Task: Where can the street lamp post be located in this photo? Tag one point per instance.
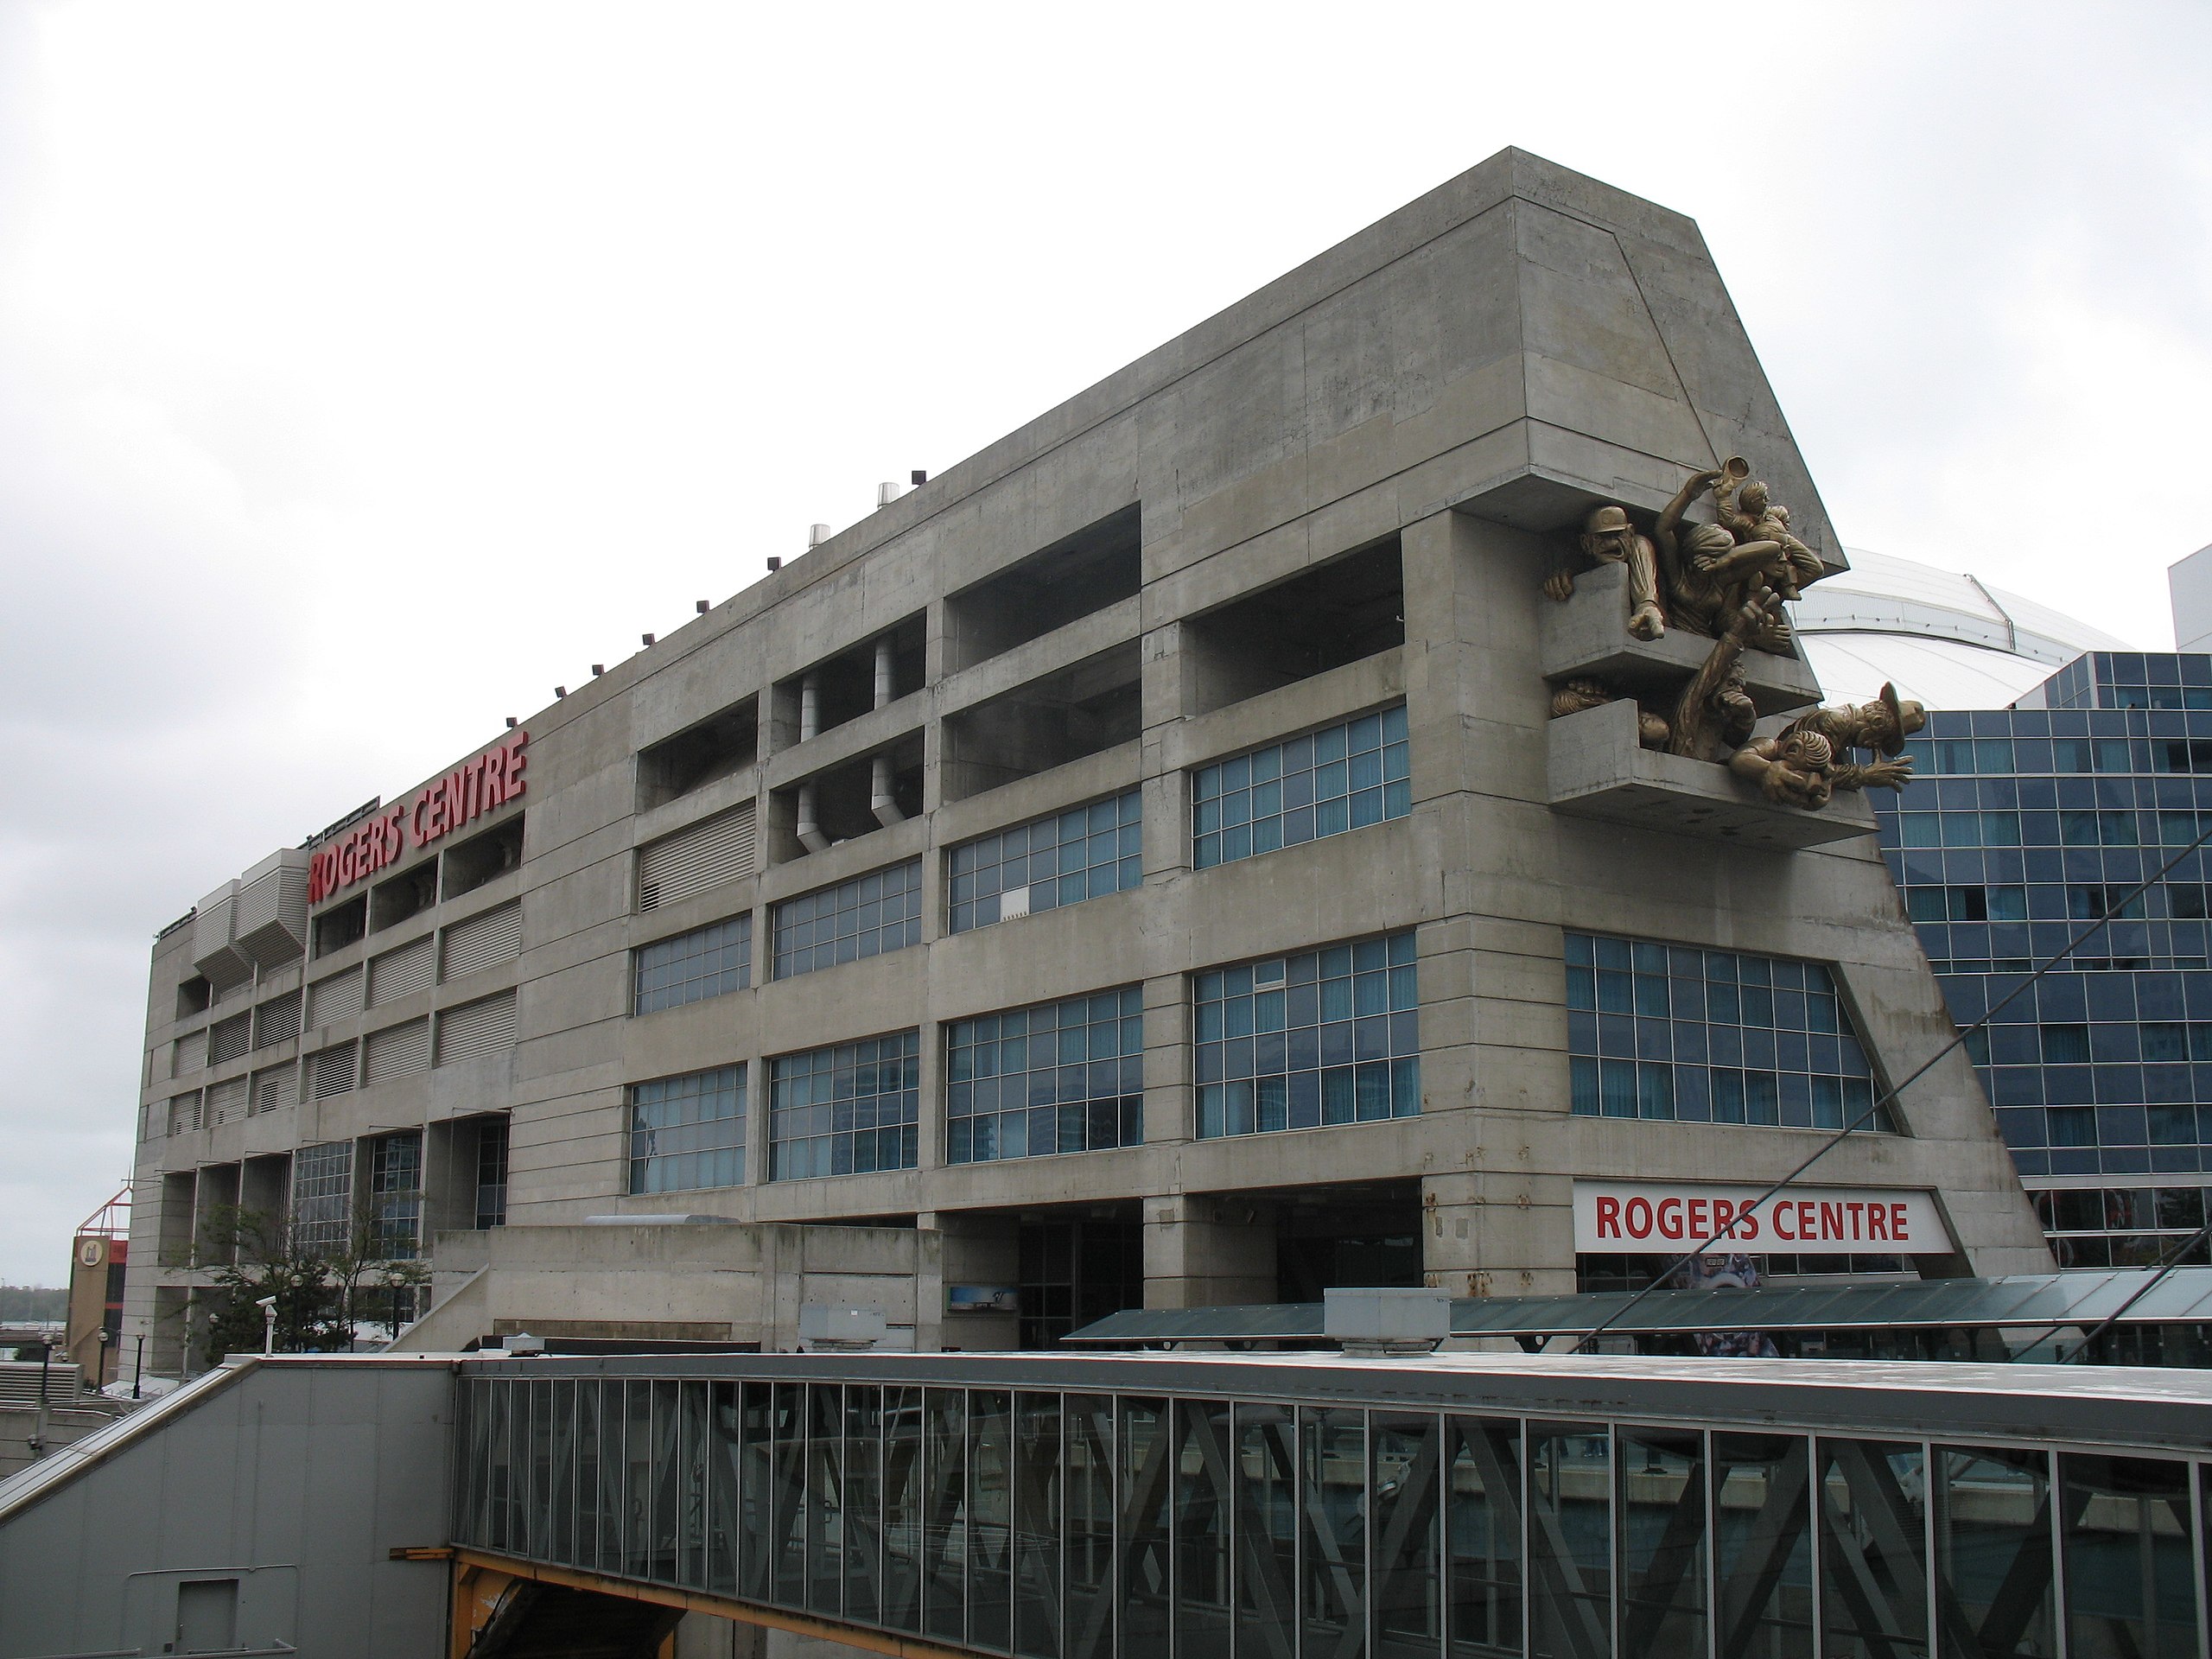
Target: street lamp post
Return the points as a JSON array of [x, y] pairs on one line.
[[268, 1307], [138, 1373]]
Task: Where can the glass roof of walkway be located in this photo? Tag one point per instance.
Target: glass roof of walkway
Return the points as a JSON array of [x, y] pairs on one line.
[[2046, 1300]]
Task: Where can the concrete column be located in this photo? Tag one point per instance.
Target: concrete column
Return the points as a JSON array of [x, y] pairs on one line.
[[973, 1249], [1203, 1251], [1484, 1231]]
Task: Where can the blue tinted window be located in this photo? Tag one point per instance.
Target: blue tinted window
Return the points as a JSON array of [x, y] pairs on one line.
[[847, 1110], [706, 962], [1060, 1076], [1338, 778], [1328, 1036], [1083, 854], [687, 1132], [1712, 1036], [865, 916]]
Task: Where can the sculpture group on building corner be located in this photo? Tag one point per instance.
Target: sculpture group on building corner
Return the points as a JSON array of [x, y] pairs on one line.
[[1727, 579]]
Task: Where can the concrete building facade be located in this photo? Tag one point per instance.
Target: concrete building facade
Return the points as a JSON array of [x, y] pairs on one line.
[[1137, 857]]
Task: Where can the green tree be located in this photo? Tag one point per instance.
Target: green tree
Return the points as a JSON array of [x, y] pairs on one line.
[[325, 1292]]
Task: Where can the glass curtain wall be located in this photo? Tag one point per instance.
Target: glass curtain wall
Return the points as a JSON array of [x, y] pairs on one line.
[[1044, 1525]]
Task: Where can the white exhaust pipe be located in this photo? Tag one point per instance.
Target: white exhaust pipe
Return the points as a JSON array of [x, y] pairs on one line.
[[810, 830], [880, 799], [884, 678], [810, 707]]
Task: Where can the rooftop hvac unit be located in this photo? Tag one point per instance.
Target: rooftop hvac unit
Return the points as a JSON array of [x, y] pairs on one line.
[[214, 936], [270, 926], [816, 535]]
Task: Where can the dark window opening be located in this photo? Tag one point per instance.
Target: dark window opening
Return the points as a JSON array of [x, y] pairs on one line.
[[847, 686], [845, 800], [1351, 607], [194, 996], [1366, 1241], [392, 902], [716, 747], [1075, 1272], [1080, 710], [1099, 565], [2191, 756], [481, 858], [341, 925], [2187, 900], [2065, 1045], [492, 1173]]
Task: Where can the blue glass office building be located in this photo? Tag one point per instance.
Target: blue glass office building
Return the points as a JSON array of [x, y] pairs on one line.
[[2021, 827]]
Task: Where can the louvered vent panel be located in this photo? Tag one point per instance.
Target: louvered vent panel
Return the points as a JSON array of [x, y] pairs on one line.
[[398, 1050], [189, 1054], [336, 998], [399, 973], [228, 1039], [270, 923], [705, 855], [184, 1114], [484, 941], [276, 1020], [227, 1102], [330, 1070], [273, 1089], [475, 1028]]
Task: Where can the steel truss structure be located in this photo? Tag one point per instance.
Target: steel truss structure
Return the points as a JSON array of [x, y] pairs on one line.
[[1213, 1507]]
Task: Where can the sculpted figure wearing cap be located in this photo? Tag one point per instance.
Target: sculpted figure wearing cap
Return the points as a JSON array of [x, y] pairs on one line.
[[1608, 538], [1882, 725]]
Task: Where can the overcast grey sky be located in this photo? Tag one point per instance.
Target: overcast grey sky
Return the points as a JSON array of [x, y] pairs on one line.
[[367, 370]]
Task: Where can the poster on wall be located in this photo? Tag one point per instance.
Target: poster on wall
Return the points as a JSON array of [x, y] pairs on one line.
[[981, 1298]]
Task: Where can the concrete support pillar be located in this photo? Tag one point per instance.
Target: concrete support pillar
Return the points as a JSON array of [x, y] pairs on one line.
[[974, 1251], [1484, 1231], [1203, 1251]]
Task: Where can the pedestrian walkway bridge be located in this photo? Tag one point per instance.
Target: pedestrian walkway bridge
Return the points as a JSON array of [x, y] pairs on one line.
[[1220, 1506]]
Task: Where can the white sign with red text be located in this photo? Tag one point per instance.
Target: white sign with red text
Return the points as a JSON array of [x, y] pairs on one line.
[[1612, 1216]]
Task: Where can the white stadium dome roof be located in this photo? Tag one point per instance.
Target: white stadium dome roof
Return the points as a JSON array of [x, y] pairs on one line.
[[1948, 641]]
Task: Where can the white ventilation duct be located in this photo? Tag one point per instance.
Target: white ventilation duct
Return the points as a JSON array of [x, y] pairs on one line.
[[816, 535], [809, 826], [884, 682], [880, 799], [810, 707], [886, 493]]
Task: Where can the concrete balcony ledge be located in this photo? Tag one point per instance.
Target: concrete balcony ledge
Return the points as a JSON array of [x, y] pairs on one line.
[[1586, 638], [1597, 770]]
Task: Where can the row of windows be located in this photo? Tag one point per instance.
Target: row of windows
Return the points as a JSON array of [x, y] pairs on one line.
[[2016, 757], [1325, 783], [2105, 827], [1327, 1036], [2080, 901], [2035, 1128]]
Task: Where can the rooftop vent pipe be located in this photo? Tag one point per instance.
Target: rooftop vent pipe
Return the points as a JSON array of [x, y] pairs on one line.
[[879, 800], [816, 535], [886, 493], [810, 829]]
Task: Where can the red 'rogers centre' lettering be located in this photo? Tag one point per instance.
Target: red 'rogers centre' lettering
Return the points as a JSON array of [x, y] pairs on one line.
[[463, 795], [1630, 1214]]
